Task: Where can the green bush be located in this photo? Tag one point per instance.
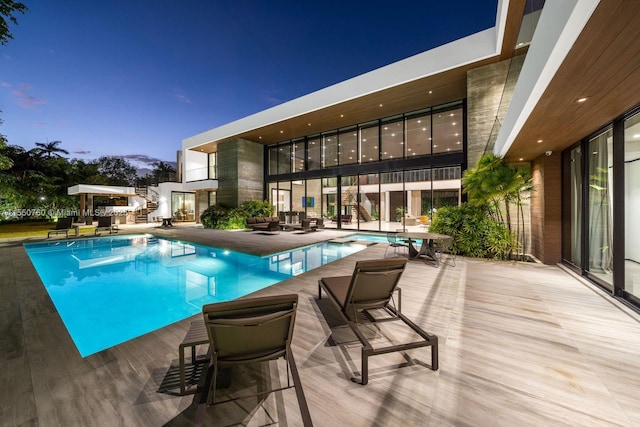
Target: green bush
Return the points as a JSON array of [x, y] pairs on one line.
[[214, 217], [474, 233], [221, 218], [255, 208]]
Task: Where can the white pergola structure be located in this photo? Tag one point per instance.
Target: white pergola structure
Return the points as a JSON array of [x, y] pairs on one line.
[[87, 191]]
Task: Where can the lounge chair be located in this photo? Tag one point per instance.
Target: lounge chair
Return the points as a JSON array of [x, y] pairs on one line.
[[104, 224], [64, 225], [372, 286], [247, 331]]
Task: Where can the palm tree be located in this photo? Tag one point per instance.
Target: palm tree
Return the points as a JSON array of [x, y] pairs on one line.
[[498, 184], [51, 149]]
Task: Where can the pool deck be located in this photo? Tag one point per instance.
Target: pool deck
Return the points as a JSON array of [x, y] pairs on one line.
[[520, 344]]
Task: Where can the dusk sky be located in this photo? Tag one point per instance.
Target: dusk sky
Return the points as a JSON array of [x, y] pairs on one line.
[[135, 78]]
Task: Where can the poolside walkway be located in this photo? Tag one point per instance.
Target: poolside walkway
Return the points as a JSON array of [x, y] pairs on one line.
[[520, 344]]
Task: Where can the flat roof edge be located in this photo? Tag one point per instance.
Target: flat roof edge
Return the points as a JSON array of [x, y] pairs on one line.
[[562, 23]]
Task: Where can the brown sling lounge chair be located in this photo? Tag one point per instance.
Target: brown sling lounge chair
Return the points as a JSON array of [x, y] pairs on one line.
[[247, 331], [64, 225], [104, 224], [371, 286]]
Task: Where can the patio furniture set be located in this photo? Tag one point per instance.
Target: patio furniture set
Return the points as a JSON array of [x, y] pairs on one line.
[[260, 329]]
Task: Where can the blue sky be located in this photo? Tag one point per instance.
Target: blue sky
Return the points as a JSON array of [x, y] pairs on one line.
[[134, 78]]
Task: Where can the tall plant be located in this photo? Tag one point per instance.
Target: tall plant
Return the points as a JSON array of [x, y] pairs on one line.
[[499, 185]]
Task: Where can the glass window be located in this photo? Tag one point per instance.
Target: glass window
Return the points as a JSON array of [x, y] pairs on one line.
[[330, 199], [601, 207], [213, 165], [369, 140], [312, 203], [392, 137], [447, 131], [284, 159], [348, 146], [369, 202], [297, 156], [314, 155], [632, 204], [183, 206], [349, 201], [418, 135], [329, 150], [572, 211], [273, 160]]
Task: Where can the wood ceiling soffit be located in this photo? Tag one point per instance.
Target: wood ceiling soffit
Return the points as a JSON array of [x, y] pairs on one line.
[[603, 65]]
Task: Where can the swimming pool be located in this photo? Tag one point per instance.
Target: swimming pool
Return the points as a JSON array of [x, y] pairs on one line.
[[108, 290]]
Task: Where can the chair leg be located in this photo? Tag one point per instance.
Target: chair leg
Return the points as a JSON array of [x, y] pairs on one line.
[[214, 380], [302, 401]]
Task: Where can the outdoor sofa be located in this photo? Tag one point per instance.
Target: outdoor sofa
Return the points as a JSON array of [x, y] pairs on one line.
[[268, 223]]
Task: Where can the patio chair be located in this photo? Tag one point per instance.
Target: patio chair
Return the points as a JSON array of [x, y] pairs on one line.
[[64, 225], [370, 287], [104, 224], [442, 247], [247, 331], [395, 243]]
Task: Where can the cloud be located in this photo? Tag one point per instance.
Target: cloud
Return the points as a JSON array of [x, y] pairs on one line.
[[183, 98], [25, 100], [83, 152], [145, 159], [41, 124], [5, 84]]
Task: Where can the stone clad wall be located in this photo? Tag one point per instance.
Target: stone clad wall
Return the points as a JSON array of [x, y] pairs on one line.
[[489, 91], [240, 172]]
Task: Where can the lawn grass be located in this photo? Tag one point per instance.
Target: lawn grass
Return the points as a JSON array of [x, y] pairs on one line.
[[32, 229]]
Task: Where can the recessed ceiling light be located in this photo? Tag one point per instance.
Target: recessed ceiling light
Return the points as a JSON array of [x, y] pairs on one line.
[[582, 99], [539, 141], [521, 159], [341, 115], [381, 105], [281, 131], [430, 92]]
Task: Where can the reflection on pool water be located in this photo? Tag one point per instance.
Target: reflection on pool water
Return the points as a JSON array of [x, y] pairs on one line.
[[108, 290]]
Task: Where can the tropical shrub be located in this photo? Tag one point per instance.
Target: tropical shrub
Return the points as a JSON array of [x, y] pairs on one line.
[[221, 218], [256, 208], [474, 233], [498, 185], [214, 217]]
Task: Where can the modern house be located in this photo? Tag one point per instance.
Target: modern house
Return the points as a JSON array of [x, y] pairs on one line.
[[553, 86]]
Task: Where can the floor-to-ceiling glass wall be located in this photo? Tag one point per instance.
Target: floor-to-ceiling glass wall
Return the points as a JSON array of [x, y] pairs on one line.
[[350, 207], [600, 213], [313, 201], [330, 200], [379, 175], [183, 206], [632, 205], [369, 201], [572, 207]]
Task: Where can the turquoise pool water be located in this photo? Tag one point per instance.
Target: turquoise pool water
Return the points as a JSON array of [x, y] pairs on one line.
[[108, 290]]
